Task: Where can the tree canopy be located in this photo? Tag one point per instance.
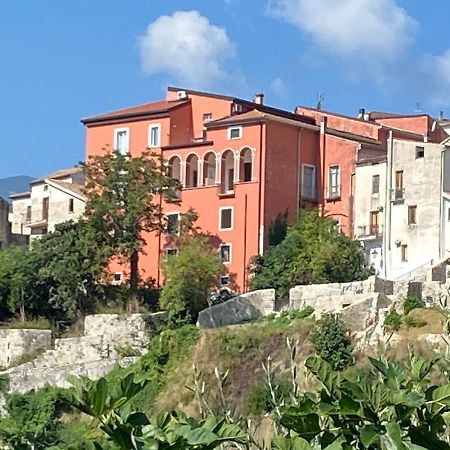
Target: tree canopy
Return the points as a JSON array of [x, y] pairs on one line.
[[313, 251]]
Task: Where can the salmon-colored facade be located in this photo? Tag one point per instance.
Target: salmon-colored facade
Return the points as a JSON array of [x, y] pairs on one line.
[[239, 164]]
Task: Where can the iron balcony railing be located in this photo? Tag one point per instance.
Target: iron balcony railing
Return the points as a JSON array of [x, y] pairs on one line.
[[398, 195]]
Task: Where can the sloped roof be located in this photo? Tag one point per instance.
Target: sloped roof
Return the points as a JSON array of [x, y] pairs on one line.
[[75, 188], [158, 107], [62, 173]]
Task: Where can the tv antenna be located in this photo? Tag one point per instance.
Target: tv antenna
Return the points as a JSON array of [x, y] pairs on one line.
[[418, 108], [320, 97]]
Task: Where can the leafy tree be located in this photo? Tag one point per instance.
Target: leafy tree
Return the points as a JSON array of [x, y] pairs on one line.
[[189, 276], [278, 229], [312, 252], [124, 202], [332, 342], [70, 264]]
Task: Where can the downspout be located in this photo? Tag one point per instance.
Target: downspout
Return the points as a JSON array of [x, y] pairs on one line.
[[387, 234], [262, 181], [245, 244], [441, 210], [158, 276], [298, 166], [323, 127]]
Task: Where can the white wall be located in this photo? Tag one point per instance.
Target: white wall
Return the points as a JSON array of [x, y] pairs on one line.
[[423, 188], [364, 203]]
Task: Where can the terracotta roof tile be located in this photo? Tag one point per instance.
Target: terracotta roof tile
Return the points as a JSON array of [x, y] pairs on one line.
[[160, 106], [62, 173], [75, 188]]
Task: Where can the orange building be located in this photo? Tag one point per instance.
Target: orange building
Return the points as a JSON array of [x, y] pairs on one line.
[[240, 164]]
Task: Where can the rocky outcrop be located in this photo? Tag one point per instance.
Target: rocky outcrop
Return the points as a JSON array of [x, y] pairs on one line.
[[243, 308], [109, 339]]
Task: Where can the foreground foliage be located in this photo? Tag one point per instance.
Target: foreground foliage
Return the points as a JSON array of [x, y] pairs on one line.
[[313, 251]]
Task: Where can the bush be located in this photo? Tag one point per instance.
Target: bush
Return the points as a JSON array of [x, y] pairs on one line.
[[287, 317], [259, 399], [332, 342], [393, 320], [413, 322], [411, 303]]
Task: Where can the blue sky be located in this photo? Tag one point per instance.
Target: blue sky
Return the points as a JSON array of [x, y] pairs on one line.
[[64, 60]]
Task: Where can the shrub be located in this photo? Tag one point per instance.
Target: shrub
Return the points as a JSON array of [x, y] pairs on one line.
[[393, 320], [259, 399], [411, 303], [413, 322], [332, 342]]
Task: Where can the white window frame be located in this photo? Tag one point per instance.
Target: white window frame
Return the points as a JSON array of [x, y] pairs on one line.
[[117, 282], [338, 181], [127, 140], [220, 218], [222, 277], [314, 196], [150, 127], [234, 138], [226, 244], [172, 213], [167, 250]]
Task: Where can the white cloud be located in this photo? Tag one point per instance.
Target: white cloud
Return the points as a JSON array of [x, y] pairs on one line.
[[436, 80], [363, 28], [278, 87], [188, 47]]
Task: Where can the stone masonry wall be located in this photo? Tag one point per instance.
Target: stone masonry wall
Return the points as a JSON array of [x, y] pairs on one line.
[[107, 337], [16, 344]]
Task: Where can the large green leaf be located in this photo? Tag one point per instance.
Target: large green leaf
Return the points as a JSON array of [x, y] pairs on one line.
[[306, 425], [100, 396], [392, 439], [369, 435], [290, 443]]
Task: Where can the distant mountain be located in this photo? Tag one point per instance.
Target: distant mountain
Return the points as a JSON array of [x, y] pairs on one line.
[[14, 185]]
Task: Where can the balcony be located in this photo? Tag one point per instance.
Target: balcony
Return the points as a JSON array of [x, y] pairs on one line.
[[398, 195], [369, 232]]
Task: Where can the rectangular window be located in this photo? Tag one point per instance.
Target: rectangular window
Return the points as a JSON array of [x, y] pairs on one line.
[[420, 152], [226, 218], [234, 133], [373, 223], [375, 184], [207, 117], [28, 218], [399, 179], [224, 280], [448, 214], [172, 223], [247, 171], [118, 277], [404, 250], [225, 253], [333, 182], [121, 140], [309, 181], [412, 210], [45, 208], [154, 135], [71, 205], [171, 252]]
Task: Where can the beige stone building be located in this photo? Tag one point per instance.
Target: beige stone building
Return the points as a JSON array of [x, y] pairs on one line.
[[402, 207], [53, 199]]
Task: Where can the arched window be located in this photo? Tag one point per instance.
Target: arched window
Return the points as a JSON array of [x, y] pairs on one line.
[[192, 171], [227, 175], [175, 168], [245, 167], [209, 169]]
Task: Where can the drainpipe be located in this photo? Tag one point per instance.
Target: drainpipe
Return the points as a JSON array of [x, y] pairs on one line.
[[245, 244], [299, 168], [262, 155], [441, 210], [387, 225], [323, 127]]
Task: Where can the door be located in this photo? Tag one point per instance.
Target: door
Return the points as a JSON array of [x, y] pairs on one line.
[[373, 223]]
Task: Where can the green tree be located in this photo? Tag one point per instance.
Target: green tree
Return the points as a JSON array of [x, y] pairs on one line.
[[332, 342], [189, 276], [312, 252], [69, 264], [124, 201]]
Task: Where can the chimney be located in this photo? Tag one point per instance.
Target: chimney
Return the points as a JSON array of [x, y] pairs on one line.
[[361, 114], [441, 115], [259, 98]]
